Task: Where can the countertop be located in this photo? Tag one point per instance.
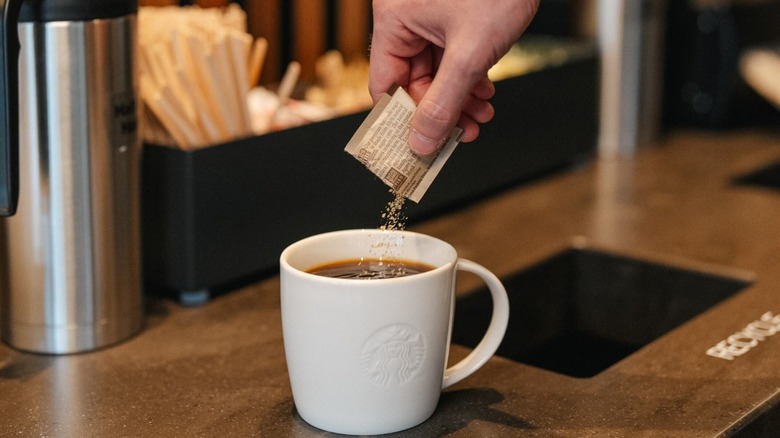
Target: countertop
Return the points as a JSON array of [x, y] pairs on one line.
[[219, 370]]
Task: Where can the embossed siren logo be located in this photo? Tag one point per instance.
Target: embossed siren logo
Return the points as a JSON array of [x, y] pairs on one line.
[[392, 355]]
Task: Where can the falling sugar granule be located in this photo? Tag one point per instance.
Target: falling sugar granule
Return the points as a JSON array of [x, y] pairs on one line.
[[389, 248], [393, 218]]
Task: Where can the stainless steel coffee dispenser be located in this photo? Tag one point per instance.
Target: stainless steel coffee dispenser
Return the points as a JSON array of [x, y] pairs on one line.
[[73, 244]]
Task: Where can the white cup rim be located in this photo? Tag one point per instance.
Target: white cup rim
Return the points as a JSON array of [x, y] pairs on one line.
[[284, 258]]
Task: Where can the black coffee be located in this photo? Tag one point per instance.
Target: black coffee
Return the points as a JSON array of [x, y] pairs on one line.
[[369, 269]]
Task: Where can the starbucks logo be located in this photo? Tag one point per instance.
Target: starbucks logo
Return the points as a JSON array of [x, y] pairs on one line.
[[392, 355]]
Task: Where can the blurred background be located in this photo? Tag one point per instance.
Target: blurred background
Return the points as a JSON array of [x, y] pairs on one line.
[[300, 30], [666, 63]]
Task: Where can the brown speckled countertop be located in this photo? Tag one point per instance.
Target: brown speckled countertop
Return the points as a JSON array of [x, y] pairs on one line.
[[219, 370]]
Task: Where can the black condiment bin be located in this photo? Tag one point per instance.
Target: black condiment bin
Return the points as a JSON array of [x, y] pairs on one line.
[[220, 216]]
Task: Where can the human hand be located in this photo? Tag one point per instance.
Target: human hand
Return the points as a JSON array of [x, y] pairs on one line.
[[440, 51]]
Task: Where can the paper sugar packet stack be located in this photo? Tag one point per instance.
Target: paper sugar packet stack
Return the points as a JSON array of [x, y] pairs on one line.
[[381, 143]]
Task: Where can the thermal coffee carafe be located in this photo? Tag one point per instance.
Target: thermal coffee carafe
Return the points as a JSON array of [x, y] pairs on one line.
[[71, 156]]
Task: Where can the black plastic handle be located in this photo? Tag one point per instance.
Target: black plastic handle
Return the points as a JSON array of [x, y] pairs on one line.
[[44, 11], [9, 105]]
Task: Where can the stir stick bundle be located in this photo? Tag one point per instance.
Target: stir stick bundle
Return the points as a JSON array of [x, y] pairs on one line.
[[197, 66]]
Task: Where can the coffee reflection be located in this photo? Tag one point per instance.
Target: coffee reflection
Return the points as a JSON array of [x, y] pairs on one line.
[[369, 269]]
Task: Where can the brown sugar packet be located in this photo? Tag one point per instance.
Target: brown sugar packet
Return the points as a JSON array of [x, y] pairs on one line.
[[381, 143]]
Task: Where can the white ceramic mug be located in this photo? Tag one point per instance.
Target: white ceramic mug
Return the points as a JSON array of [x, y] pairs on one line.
[[369, 356]]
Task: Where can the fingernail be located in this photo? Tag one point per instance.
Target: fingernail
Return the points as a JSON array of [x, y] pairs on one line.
[[422, 145]]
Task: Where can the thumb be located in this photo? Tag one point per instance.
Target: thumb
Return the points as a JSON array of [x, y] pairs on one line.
[[438, 111]]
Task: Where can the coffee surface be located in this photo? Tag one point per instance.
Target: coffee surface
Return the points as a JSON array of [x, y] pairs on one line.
[[369, 269]]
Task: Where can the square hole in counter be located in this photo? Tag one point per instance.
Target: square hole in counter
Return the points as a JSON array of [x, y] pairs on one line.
[[766, 177], [581, 311]]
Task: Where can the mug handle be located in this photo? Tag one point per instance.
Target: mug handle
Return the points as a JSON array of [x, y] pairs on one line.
[[495, 331]]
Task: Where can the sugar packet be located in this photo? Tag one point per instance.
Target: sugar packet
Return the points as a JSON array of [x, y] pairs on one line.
[[381, 143]]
